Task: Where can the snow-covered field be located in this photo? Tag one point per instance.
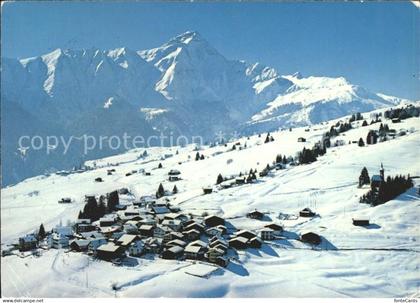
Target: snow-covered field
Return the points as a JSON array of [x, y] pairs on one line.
[[380, 261]]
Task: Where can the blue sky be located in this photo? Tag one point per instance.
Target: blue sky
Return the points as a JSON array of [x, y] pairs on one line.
[[375, 45]]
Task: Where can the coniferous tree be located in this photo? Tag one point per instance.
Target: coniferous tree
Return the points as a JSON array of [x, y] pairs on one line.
[[160, 192], [112, 200], [278, 158], [202, 157], [91, 209], [364, 177], [101, 206], [364, 123], [267, 139], [80, 216], [160, 165], [197, 156], [361, 142], [175, 190], [219, 179], [41, 232]]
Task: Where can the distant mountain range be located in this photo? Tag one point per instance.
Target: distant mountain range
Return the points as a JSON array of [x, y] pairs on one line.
[[184, 87]]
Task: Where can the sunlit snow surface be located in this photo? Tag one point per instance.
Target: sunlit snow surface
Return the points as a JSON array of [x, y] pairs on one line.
[[348, 263]]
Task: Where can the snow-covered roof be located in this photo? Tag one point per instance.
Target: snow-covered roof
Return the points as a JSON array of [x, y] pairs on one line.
[[199, 243], [171, 222], [109, 247], [177, 242], [240, 239], [28, 238], [174, 172], [146, 227], [377, 178], [176, 249], [192, 249], [91, 234], [160, 209], [124, 240]]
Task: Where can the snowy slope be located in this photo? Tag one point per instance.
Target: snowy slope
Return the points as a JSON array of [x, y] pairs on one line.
[[194, 88], [381, 261], [315, 99]]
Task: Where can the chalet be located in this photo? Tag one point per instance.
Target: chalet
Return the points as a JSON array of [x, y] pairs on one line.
[[27, 242], [276, 228], [172, 216], [146, 230], [207, 190], [160, 231], [120, 207], [157, 210], [194, 225], [94, 243], [64, 200], [176, 242], [131, 226], [106, 221], [91, 235], [108, 231], [194, 252], [84, 228], [64, 230], [213, 253], [99, 179], [199, 243], [173, 236], [58, 241], [212, 221], [148, 220], [153, 245], [176, 225], [254, 243], [311, 238], [306, 212], [222, 247], [217, 241], [245, 234], [172, 253], [222, 261], [267, 234], [126, 240], [255, 215], [192, 234], [83, 225], [79, 245], [361, 222], [301, 139], [174, 172], [136, 248], [239, 243], [109, 251], [214, 231], [174, 175], [123, 191]]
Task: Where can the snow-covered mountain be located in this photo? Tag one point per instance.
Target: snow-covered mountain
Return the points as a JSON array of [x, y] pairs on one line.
[[184, 87]]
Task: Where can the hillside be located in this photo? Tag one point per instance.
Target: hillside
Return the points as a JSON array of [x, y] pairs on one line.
[[351, 261]]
